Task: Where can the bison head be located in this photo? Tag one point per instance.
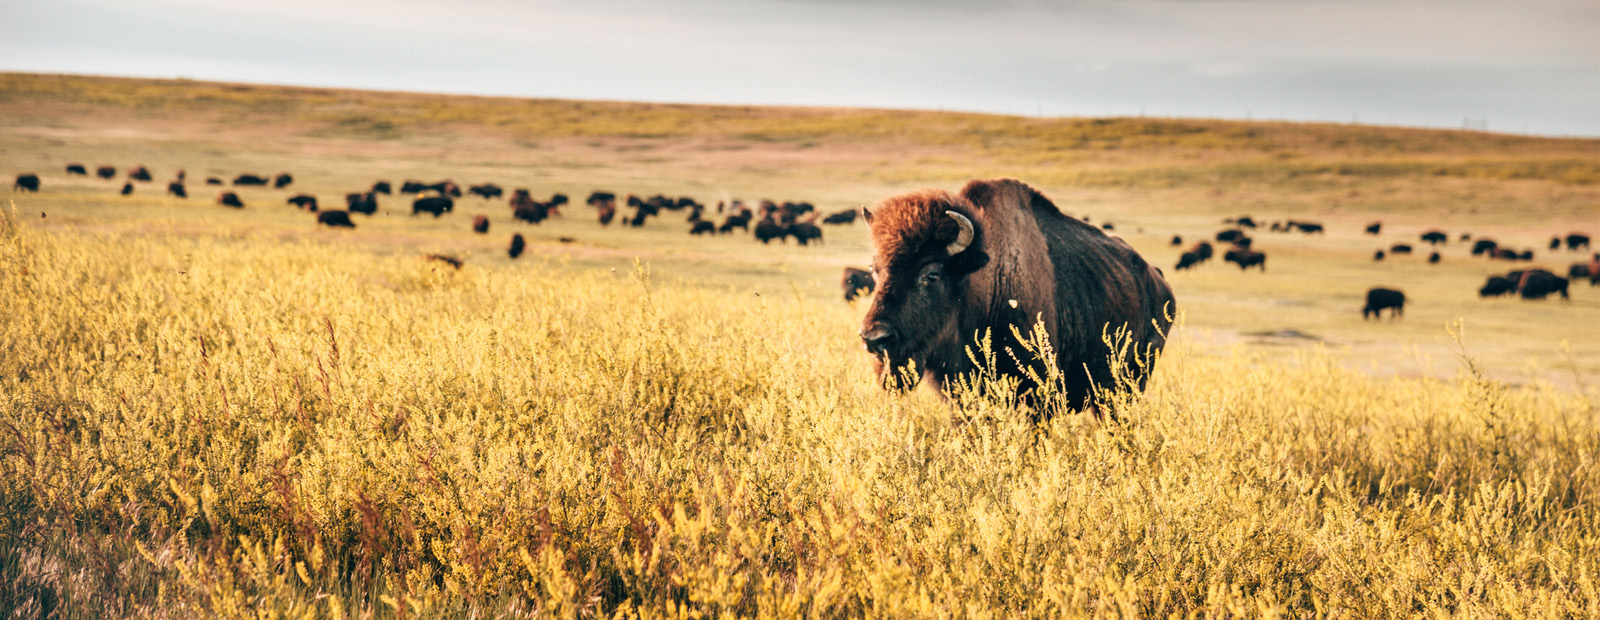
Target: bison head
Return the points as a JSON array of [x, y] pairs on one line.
[[926, 245]]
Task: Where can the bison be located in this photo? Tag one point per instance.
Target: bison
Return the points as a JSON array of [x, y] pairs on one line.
[[1374, 228], [213, 181], [1579, 271], [488, 191], [1245, 221], [1379, 299], [1434, 258], [1229, 235], [382, 187], [1577, 241], [1177, 240], [1378, 255], [1400, 248], [28, 182], [446, 259], [986, 265], [805, 232], [739, 220], [249, 179], [230, 199], [335, 219], [175, 188], [1187, 260], [1307, 227], [517, 245], [769, 229], [437, 205], [1525, 255], [78, 169], [856, 283], [304, 201], [480, 224], [1538, 284], [1496, 286], [703, 227], [1435, 237], [106, 172], [1203, 250], [1555, 243], [1246, 259], [127, 188], [283, 180], [139, 173], [1484, 246], [361, 202], [843, 217]]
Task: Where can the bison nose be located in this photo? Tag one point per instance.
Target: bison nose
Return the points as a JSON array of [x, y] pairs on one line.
[[877, 337]]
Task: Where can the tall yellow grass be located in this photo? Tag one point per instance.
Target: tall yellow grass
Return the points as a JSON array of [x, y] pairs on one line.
[[240, 427]]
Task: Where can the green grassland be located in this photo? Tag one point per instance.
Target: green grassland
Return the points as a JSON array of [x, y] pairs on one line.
[[207, 412]]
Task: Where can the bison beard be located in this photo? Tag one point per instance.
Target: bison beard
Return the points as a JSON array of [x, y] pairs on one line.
[[990, 263]]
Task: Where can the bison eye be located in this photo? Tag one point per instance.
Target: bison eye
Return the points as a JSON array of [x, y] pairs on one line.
[[931, 278]]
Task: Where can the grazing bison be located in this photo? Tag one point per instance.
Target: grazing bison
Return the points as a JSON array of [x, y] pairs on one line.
[[517, 245], [1434, 258], [525, 208], [1246, 259], [842, 217], [1525, 255], [249, 179], [1378, 255], [335, 219], [361, 202], [1108, 226], [383, 187], [106, 172], [230, 199], [990, 263], [437, 205], [1307, 227], [1229, 235], [28, 182], [1177, 240], [1555, 243], [139, 173], [1538, 284], [856, 283], [1435, 237], [1400, 248], [805, 232], [480, 224], [213, 181], [127, 188], [1496, 286], [175, 188], [1187, 260], [1577, 241], [1579, 271], [1379, 299], [77, 169], [1374, 228], [1203, 250], [739, 220], [488, 191], [1243, 242], [769, 229], [1484, 246], [1244, 221], [283, 180], [703, 227], [304, 201], [1504, 254]]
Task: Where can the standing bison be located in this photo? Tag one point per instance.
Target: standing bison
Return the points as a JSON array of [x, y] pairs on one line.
[[480, 224], [1577, 241], [1435, 237], [106, 172], [230, 199], [283, 180], [1538, 284], [139, 173], [992, 262], [361, 202], [249, 179], [175, 188], [77, 169], [517, 245], [27, 182], [1246, 259], [1374, 228], [856, 283], [437, 205], [335, 219], [1379, 299]]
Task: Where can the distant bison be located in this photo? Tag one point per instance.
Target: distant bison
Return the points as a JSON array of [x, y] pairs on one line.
[[1177, 240], [1555, 243], [1504, 254], [769, 229], [1484, 246], [446, 259], [993, 262], [487, 191], [1399, 248], [480, 224], [382, 187], [805, 232], [1187, 260], [213, 181], [1229, 235], [1108, 226], [1307, 227], [27, 182], [249, 179], [437, 205], [283, 180], [1203, 250], [1435, 237], [703, 227], [1243, 242], [1538, 284], [127, 189], [361, 202], [139, 173], [335, 219], [1433, 259], [1379, 299], [1374, 228], [1579, 271], [1378, 255], [175, 188], [304, 201], [230, 199], [1246, 259], [77, 169], [843, 217], [1577, 241], [856, 283], [1496, 286], [106, 172], [1245, 222], [517, 245]]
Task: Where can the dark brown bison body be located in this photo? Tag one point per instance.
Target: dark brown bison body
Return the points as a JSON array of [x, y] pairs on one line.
[[1246, 259], [1579, 271], [230, 199], [175, 188], [769, 229], [480, 224], [1435, 237], [805, 232], [27, 182], [1187, 260], [737, 220], [1177, 240], [1496, 286], [1374, 228], [383, 187], [1245, 221], [1229, 235], [1538, 284], [1307, 227], [437, 205], [249, 179], [1378, 255], [1504, 254], [1379, 299], [1434, 258], [487, 191], [1203, 250], [1244, 242], [1108, 226], [1525, 255], [127, 188], [304, 201], [842, 217], [214, 181], [526, 209], [106, 172], [365, 203], [1484, 246], [988, 264], [77, 169], [1400, 248], [139, 173], [283, 180], [1577, 241], [856, 283], [412, 187], [1555, 243], [517, 245], [703, 227], [337, 219]]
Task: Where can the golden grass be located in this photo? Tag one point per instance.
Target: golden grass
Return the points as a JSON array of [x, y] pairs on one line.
[[237, 426]]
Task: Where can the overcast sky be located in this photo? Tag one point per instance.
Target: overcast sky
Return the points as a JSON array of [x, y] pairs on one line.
[[1524, 66]]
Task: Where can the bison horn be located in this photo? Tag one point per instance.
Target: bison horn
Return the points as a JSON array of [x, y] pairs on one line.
[[962, 240]]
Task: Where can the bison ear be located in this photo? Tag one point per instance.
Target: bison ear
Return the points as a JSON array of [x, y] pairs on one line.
[[866, 214]]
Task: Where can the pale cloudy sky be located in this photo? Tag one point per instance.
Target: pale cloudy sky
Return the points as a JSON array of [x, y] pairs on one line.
[[1528, 66]]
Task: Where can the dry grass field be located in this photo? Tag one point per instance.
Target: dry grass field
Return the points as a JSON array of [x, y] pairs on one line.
[[208, 412]]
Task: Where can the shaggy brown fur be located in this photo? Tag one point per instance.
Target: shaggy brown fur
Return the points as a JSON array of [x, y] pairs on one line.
[[1027, 261]]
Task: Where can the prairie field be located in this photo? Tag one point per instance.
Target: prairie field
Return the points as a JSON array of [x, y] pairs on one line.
[[210, 412]]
